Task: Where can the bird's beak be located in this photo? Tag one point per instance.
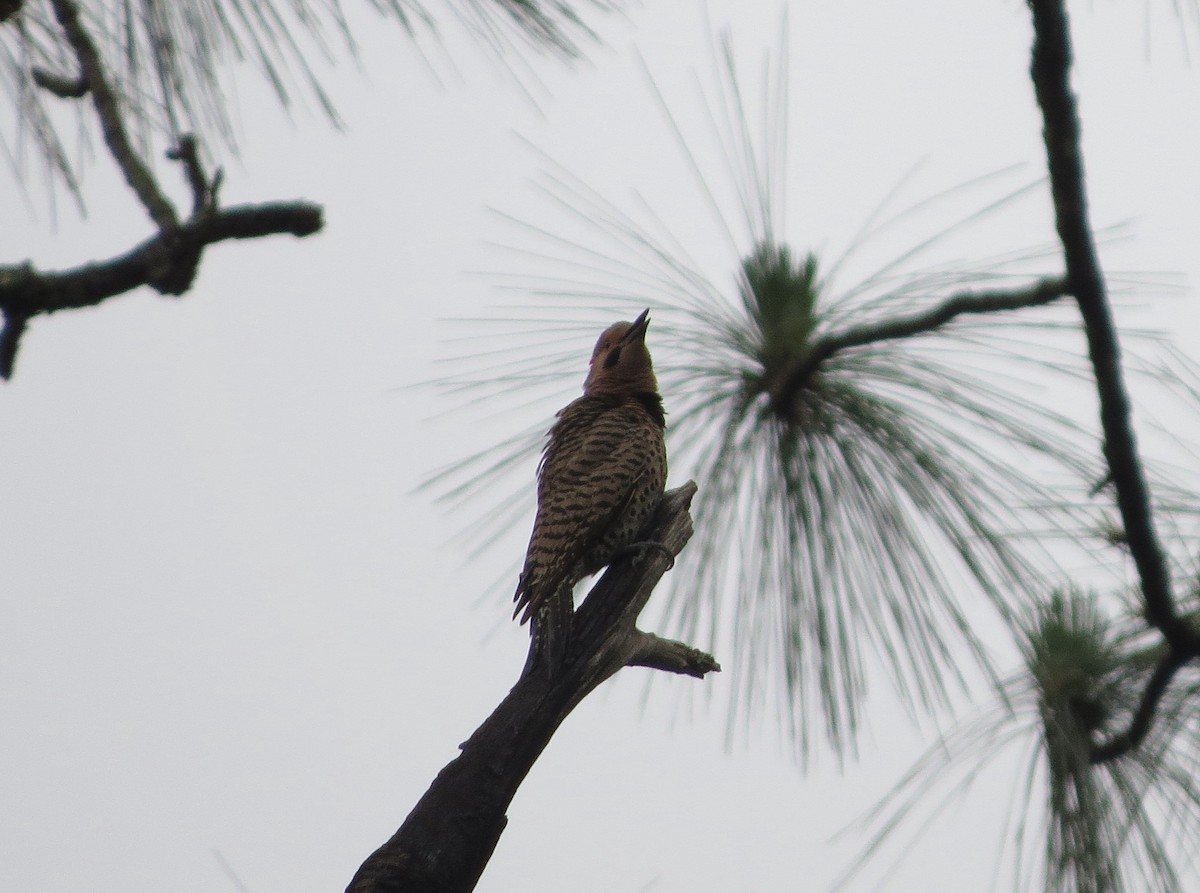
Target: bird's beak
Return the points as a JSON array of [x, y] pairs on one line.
[[637, 331]]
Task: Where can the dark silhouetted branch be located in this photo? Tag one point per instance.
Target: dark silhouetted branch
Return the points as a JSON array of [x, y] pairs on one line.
[[1042, 292], [137, 175], [450, 834], [167, 262], [25, 290], [1139, 725], [10, 340], [61, 86], [204, 190], [1050, 71]]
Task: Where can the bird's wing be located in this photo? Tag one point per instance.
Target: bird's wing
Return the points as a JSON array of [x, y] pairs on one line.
[[588, 475]]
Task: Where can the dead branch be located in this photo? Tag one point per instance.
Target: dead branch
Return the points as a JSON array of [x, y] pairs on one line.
[[448, 838], [108, 110], [167, 262]]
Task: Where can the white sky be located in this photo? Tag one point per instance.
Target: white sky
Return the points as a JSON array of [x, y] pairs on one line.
[[228, 622]]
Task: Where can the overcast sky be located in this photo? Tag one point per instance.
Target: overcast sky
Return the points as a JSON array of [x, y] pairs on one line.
[[233, 635]]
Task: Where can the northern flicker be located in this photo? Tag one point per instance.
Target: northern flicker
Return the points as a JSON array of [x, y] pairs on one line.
[[599, 481]]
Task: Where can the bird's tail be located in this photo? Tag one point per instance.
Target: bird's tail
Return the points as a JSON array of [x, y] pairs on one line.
[[550, 631]]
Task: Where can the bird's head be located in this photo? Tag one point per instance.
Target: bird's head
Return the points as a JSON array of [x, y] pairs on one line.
[[621, 362]]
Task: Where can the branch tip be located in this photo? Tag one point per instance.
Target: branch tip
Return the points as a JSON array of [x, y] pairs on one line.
[[204, 191], [10, 341], [672, 657], [60, 85]]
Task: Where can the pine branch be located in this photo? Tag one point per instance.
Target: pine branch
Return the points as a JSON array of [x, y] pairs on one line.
[[1139, 725], [1042, 292], [449, 836], [1050, 71]]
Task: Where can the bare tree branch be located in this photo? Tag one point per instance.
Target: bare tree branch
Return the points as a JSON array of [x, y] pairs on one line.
[[61, 86], [137, 175], [671, 657], [1050, 71], [204, 191], [167, 262], [10, 341], [449, 836], [155, 262]]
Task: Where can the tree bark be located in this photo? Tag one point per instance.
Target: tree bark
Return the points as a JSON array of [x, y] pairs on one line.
[[448, 838]]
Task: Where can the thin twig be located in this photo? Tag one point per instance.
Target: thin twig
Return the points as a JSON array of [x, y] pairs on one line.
[[137, 175], [187, 153], [60, 85], [10, 341]]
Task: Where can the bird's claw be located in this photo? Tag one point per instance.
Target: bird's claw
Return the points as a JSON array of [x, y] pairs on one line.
[[638, 550]]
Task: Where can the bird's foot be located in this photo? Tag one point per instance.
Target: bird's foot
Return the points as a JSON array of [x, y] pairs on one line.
[[638, 551]]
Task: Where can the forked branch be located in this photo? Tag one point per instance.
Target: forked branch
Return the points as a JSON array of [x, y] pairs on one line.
[[167, 261], [1051, 74], [449, 836], [1051, 71]]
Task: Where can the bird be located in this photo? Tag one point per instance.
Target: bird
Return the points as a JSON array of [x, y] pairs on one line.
[[600, 479]]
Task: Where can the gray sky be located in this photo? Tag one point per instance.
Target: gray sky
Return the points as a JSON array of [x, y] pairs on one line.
[[230, 625]]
